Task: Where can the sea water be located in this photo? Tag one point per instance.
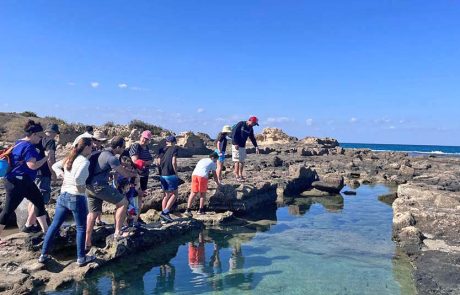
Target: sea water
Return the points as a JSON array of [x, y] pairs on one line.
[[332, 245], [413, 149]]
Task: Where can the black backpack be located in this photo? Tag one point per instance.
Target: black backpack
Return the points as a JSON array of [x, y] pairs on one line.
[[92, 166]]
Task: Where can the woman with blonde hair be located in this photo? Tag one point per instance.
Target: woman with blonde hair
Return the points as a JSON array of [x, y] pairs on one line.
[[74, 169]]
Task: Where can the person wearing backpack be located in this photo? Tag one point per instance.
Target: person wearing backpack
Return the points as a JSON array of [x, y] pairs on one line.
[[19, 181], [240, 134], [47, 146], [74, 171], [99, 189], [140, 151]]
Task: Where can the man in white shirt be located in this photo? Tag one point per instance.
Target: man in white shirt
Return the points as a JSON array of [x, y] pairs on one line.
[[200, 181]]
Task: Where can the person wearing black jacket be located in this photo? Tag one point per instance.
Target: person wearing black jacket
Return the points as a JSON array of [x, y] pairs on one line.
[[240, 134]]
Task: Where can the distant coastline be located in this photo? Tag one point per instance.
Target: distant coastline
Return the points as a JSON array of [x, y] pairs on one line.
[[412, 149]]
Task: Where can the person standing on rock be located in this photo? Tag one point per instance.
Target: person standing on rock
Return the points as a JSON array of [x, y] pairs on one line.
[[98, 188], [240, 134], [200, 181], [19, 181], [167, 165], [74, 172], [140, 151], [46, 147], [221, 148]]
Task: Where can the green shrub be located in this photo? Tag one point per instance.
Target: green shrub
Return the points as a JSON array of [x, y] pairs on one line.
[[141, 125], [29, 114]]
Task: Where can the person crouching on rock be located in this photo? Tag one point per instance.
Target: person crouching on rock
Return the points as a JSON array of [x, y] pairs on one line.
[[98, 188], [129, 187], [19, 181], [200, 181], [221, 148], [241, 132], [74, 172], [167, 165]]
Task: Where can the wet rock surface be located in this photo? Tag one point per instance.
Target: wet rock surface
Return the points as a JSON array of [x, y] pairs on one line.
[[22, 274]]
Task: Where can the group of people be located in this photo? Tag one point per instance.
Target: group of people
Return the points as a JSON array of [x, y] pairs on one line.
[[97, 170]]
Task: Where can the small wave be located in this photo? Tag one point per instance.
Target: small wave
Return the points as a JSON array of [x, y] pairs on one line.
[[418, 152]]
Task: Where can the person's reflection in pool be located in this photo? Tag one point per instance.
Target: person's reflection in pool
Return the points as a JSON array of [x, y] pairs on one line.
[[215, 264], [236, 276], [165, 279], [196, 258]]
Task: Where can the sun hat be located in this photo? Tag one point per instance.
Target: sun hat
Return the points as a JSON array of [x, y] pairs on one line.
[[99, 136], [254, 120], [227, 129], [53, 128], [147, 134]]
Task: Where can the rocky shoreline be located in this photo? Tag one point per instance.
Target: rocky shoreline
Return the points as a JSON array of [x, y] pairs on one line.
[[426, 206]]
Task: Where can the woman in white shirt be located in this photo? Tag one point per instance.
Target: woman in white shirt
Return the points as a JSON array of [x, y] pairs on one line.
[[74, 170]]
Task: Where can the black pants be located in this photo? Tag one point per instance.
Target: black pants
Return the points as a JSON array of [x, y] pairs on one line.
[[18, 189]]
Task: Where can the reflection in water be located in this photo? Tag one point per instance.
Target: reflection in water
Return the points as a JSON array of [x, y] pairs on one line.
[[300, 206], [328, 245]]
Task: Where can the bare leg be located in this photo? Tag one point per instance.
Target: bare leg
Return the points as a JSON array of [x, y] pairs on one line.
[[31, 217], [171, 200], [43, 223], [241, 169], [202, 199], [190, 200], [120, 215], [164, 203], [90, 220], [237, 169], [219, 170]]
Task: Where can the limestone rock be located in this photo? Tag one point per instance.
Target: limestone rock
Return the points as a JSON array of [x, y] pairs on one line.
[[274, 136]]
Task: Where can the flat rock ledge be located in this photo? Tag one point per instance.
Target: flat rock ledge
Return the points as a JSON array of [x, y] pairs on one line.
[[21, 273], [426, 225]]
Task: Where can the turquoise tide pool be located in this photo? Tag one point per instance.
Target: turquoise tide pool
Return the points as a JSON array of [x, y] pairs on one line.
[[334, 245]]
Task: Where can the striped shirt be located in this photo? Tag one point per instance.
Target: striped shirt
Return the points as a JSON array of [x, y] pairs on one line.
[[142, 154]]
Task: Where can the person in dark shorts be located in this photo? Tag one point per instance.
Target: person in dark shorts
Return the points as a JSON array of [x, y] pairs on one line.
[[221, 149], [140, 151], [167, 165], [19, 181], [98, 188], [47, 146]]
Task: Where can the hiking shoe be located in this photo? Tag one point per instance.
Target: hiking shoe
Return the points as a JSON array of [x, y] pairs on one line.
[[166, 217], [43, 258], [201, 211], [85, 260], [31, 229], [188, 213]]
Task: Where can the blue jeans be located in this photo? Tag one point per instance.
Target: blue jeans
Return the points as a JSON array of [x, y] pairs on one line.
[[169, 183], [78, 206]]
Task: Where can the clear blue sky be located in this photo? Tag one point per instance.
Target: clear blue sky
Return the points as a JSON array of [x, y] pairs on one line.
[[359, 71]]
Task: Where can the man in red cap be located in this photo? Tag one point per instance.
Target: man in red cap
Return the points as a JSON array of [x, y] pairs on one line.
[[241, 132]]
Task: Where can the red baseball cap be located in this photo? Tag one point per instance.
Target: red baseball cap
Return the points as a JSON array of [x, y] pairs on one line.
[[254, 120]]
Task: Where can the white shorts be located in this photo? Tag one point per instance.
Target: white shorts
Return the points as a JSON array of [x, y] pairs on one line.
[[238, 155]]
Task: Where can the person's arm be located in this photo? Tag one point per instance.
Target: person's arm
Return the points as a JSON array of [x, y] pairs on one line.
[[174, 163], [218, 146], [125, 172], [58, 169], [253, 140], [133, 152]]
